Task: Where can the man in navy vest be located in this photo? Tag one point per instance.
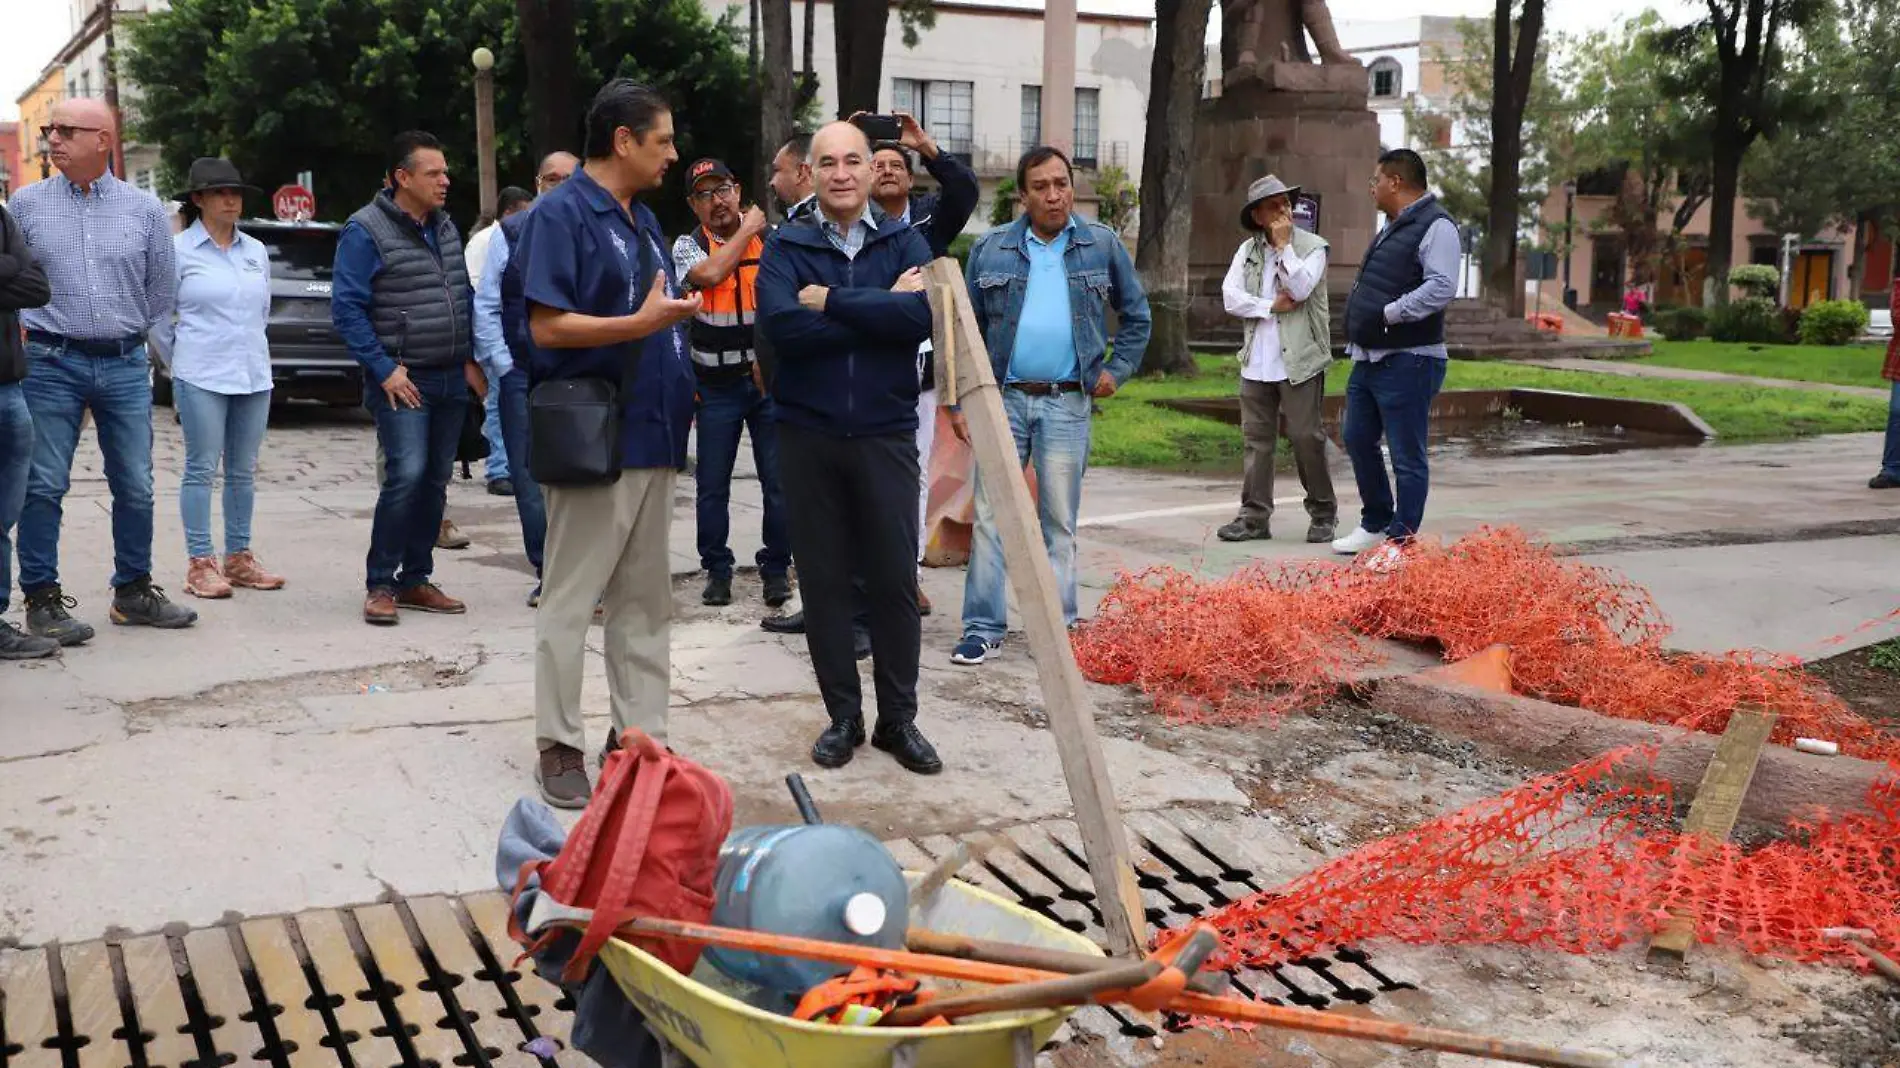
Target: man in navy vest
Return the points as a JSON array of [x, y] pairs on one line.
[[1395, 334], [501, 347]]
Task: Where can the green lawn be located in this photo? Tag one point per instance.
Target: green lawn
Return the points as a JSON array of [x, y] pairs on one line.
[[1130, 432], [1847, 365]]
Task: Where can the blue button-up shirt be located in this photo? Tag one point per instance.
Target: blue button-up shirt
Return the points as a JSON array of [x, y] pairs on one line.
[[108, 255], [491, 340], [217, 339], [848, 239], [1045, 335]]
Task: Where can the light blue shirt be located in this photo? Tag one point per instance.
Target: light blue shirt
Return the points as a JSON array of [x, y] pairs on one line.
[[107, 252], [1045, 335], [1438, 253], [491, 342], [848, 239], [217, 341]]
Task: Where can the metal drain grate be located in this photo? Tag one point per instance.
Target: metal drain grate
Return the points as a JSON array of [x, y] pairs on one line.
[[426, 981], [1185, 867], [418, 982]]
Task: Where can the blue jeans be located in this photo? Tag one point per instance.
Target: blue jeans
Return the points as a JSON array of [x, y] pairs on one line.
[[722, 412], [220, 430], [1052, 433], [1890, 453], [16, 457], [61, 386], [1391, 399], [498, 466], [512, 402], [419, 458]]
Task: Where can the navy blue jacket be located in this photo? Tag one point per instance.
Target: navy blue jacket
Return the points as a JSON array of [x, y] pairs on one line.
[[850, 370], [941, 216], [514, 306], [1390, 270]]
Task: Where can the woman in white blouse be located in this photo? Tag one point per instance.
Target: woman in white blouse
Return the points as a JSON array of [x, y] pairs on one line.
[[220, 368]]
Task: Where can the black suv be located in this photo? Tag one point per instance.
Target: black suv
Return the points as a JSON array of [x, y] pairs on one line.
[[308, 361]]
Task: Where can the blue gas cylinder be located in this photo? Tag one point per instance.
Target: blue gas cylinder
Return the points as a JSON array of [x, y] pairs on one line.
[[821, 881]]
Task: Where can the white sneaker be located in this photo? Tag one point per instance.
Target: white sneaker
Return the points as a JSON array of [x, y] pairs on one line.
[[1357, 542]]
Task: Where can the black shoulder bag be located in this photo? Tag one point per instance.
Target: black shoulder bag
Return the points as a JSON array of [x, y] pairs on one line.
[[574, 424]]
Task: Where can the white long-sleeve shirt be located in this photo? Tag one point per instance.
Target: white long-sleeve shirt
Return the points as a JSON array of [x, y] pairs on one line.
[[1282, 272]]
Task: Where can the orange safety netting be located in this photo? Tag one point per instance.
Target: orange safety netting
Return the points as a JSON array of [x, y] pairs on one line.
[[1583, 861]]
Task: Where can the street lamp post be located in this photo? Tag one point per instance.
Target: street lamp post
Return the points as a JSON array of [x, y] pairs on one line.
[[1570, 215], [484, 62]]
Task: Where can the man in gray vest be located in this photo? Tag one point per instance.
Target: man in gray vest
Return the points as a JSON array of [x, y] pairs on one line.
[[1276, 288], [1395, 334], [402, 302]]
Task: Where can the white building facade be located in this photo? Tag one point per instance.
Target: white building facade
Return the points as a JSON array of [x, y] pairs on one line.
[[88, 74], [975, 82]]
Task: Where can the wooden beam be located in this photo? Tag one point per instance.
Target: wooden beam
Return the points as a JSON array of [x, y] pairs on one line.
[[967, 375], [1718, 801]]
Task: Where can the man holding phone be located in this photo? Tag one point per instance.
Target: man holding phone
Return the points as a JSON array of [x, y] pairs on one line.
[[720, 259]]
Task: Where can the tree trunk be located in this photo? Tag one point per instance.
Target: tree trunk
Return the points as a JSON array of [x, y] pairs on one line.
[[1727, 172], [808, 80], [549, 43], [858, 30], [1511, 74], [775, 88], [752, 38], [1167, 172]]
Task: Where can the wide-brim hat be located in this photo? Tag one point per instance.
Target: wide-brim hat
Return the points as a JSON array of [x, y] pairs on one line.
[[1270, 186], [210, 173]]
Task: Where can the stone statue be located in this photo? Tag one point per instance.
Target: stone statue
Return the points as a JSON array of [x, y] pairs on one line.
[[1258, 32]]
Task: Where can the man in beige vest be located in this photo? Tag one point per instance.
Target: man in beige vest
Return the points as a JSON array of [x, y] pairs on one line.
[[1277, 288]]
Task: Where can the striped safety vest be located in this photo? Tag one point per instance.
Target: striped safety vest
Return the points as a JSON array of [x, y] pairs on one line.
[[721, 334]]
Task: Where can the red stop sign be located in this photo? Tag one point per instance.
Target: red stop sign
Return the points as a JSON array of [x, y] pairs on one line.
[[294, 203]]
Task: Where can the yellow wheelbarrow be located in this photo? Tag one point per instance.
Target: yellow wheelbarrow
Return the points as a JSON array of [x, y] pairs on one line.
[[711, 1020]]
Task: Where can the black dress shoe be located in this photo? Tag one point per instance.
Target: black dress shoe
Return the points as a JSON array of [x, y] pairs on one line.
[[861, 643], [835, 747], [909, 746], [1882, 481], [792, 624], [778, 590]]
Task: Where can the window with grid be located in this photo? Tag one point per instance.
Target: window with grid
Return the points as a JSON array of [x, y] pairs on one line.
[[947, 110], [1386, 78], [1088, 125], [1032, 116]]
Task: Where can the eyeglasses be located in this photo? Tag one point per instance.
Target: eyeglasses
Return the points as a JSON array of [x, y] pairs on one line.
[[719, 192], [66, 131], [551, 179]]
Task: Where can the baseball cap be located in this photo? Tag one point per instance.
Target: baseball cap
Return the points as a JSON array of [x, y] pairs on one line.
[[707, 168]]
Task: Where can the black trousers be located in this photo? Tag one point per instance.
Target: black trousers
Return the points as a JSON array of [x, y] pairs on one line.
[[852, 508]]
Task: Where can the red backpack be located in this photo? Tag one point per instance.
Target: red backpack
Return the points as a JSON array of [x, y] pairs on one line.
[[647, 844]]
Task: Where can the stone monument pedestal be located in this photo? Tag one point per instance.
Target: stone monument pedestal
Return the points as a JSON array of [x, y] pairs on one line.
[[1307, 123]]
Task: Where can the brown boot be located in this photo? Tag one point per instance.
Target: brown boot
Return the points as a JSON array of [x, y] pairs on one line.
[[451, 537], [561, 772], [379, 608], [429, 597], [203, 579], [241, 569]]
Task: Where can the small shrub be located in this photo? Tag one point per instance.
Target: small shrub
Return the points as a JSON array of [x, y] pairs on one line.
[[1117, 199], [960, 248], [1833, 322], [1003, 208], [1756, 280], [1752, 320], [1886, 656], [1680, 324]]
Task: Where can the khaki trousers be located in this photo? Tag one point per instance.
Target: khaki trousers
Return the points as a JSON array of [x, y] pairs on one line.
[[1261, 406], [605, 544]]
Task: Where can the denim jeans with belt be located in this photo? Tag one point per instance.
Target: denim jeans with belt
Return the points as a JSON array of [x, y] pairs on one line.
[[1391, 399], [16, 457], [221, 430], [724, 410], [419, 458], [511, 395], [1052, 433], [62, 384]]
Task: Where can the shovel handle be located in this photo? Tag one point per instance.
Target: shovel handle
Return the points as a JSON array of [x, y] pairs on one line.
[[807, 808], [1037, 994]]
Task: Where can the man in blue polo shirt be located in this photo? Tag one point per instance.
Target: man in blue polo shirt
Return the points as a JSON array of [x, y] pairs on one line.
[[600, 292]]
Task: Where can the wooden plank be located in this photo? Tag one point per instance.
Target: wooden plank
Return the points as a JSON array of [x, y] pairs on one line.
[[940, 845], [328, 946], [1070, 835], [26, 1000], [1718, 801], [396, 958], [449, 943], [1250, 862], [281, 975], [93, 998], [1167, 838], [214, 970], [1008, 860], [908, 856], [1065, 696], [490, 913], [153, 976], [1065, 873]]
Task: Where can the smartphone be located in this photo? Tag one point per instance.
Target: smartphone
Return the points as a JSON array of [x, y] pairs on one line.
[[880, 127]]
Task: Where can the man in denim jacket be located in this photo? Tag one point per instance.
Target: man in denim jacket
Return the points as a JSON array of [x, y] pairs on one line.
[[1040, 288]]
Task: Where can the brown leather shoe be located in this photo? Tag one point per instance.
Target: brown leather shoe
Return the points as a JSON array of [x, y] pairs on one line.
[[429, 597], [379, 608], [242, 569], [203, 580], [451, 537]]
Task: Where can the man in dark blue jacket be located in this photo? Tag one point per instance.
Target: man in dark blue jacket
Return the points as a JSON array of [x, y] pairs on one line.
[[841, 300]]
